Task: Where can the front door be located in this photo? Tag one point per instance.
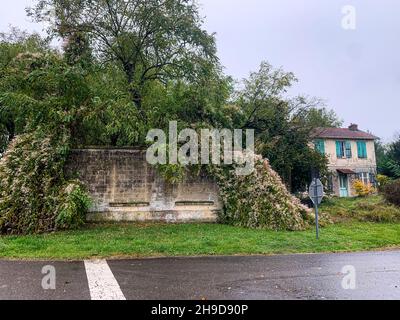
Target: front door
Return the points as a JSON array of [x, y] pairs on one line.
[[344, 185]]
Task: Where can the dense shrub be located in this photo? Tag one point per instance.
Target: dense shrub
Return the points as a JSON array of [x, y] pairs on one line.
[[382, 181], [259, 200], [362, 189], [391, 192], [34, 195]]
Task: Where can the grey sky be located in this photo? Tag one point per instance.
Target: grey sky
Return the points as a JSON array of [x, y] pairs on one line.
[[356, 71]]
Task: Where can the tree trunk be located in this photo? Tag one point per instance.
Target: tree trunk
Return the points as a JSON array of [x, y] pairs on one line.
[[135, 93]]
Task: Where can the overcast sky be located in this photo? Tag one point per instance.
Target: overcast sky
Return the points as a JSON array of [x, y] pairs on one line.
[[356, 71]]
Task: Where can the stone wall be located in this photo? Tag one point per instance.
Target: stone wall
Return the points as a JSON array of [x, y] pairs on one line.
[[124, 187]]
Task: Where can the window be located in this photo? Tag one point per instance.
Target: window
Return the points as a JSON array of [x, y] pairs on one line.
[[348, 150], [364, 177], [320, 146], [343, 149], [362, 149]]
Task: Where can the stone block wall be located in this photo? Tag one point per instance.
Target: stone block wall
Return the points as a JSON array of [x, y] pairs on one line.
[[124, 187]]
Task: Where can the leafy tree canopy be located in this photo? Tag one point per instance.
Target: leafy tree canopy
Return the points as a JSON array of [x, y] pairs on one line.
[[148, 39], [283, 126], [388, 158]]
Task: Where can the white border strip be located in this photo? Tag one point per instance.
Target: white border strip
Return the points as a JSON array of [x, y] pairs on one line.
[[102, 283]]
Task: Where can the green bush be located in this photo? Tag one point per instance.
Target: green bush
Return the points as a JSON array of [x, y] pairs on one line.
[[74, 203], [34, 195], [382, 181], [259, 200], [391, 192]]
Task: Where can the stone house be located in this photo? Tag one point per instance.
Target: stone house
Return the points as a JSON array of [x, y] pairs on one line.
[[351, 156]]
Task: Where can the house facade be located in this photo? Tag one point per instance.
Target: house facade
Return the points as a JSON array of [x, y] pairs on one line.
[[351, 156]]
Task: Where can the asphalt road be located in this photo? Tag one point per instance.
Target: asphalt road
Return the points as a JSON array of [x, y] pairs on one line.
[[374, 275]]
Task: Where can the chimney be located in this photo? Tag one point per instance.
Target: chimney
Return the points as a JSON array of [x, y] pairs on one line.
[[353, 127]]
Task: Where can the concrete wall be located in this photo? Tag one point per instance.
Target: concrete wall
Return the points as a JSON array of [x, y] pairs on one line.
[[124, 187]]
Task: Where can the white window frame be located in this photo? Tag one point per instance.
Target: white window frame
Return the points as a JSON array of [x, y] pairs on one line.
[[364, 177]]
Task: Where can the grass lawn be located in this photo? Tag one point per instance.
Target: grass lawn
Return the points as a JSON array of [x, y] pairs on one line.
[[154, 240], [368, 209], [356, 229]]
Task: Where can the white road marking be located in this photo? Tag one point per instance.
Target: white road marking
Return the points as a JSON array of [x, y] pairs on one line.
[[102, 283]]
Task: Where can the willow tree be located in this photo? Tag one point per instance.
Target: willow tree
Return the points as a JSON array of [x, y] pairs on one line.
[[151, 40]]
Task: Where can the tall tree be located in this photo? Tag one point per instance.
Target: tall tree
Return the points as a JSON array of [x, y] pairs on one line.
[[151, 40], [283, 126], [12, 45]]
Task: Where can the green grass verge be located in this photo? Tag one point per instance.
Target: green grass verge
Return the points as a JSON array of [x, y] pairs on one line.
[[153, 240], [368, 209]]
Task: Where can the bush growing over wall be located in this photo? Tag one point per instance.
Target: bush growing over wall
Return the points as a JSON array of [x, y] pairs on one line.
[[391, 192], [259, 200], [34, 195]]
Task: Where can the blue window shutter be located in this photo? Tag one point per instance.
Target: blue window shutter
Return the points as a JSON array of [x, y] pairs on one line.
[[359, 149], [365, 149], [339, 149], [320, 146], [362, 149]]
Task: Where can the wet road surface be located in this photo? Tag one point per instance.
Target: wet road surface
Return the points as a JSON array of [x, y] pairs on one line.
[[374, 275]]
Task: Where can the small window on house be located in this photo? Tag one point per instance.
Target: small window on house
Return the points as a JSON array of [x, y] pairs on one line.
[[339, 149], [362, 149], [320, 146], [349, 154], [343, 149], [364, 177]]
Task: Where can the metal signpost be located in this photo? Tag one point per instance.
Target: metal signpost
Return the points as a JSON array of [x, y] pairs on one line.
[[316, 193]]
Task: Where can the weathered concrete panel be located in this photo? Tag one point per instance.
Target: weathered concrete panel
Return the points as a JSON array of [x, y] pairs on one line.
[[124, 187]]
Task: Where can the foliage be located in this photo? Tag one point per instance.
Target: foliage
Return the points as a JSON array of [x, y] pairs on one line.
[[391, 192], [74, 203], [45, 100], [34, 194], [388, 159], [172, 173], [131, 66], [382, 181], [148, 39], [362, 189], [365, 209], [259, 200], [283, 127], [12, 45]]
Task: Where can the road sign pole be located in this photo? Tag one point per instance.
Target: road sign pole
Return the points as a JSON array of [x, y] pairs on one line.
[[316, 220], [316, 193], [316, 209]]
